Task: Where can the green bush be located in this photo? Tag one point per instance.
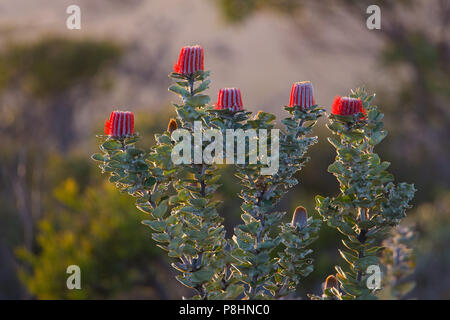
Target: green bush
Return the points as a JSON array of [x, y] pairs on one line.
[[95, 230]]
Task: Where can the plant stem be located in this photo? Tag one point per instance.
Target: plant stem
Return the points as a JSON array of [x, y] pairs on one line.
[[362, 239], [191, 85]]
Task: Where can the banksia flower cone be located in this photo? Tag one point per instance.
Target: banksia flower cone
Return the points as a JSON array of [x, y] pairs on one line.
[[331, 282], [120, 124], [300, 217], [230, 98], [172, 126], [346, 106], [302, 95], [190, 61]]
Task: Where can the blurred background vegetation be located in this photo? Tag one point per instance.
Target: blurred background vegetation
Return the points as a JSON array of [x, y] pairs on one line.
[[58, 86]]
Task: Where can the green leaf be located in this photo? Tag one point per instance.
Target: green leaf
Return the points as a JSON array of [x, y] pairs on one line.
[[180, 91], [161, 237], [203, 275], [188, 249], [190, 209], [160, 210], [355, 247], [150, 181], [341, 274], [200, 202], [233, 291], [350, 258], [112, 145], [336, 168], [354, 135], [365, 262], [158, 226], [346, 119], [319, 199], [99, 157], [374, 115], [133, 152], [186, 282], [348, 153], [377, 137], [114, 178], [198, 100], [163, 139], [203, 86], [266, 117], [145, 208], [335, 126], [335, 142]]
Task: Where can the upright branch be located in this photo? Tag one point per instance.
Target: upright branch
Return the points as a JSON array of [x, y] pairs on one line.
[[191, 231], [264, 275], [294, 262], [130, 168], [369, 203], [201, 244]]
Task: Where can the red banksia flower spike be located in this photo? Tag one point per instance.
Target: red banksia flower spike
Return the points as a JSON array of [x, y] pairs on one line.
[[108, 124], [230, 98], [346, 106], [302, 95], [331, 282], [300, 217], [190, 61], [120, 124]]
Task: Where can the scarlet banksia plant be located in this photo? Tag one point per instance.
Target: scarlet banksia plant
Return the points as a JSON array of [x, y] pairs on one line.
[[369, 204], [184, 223], [268, 256]]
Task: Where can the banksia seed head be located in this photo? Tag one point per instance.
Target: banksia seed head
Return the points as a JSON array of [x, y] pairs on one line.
[[191, 60], [120, 124], [230, 98], [346, 106], [172, 126], [302, 95], [300, 217], [331, 282]]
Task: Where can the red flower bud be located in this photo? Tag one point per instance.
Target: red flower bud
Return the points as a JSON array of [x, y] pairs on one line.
[[302, 95], [191, 60], [230, 98], [120, 124], [172, 126], [331, 282], [300, 217], [346, 106]]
